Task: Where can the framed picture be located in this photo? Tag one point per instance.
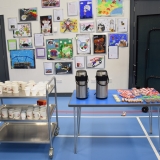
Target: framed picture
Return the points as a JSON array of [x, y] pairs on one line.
[[99, 42], [86, 27], [40, 53], [38, 39], [58, 15], [79, 62], [50, 3], [22, 59], [63, 68], [95, 61], [48, 68], [23, 30], [46, 25], [25, 43], [72, 8], [12, 44], [83, 43], [28, 14], [12, 23]]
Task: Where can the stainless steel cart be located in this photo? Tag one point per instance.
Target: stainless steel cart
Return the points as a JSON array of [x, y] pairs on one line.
[[31, 131]]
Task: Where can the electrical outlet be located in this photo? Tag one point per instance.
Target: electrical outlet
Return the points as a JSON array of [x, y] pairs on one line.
[[59, 80], [110, 80]]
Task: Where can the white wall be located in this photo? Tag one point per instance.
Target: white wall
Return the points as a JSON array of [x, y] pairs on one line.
[[118, 69]]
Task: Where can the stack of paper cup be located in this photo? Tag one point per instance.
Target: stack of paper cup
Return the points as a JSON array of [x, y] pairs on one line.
[[27, 91]]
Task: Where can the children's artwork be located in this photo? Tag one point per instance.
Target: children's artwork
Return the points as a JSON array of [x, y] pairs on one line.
[[12, 23], [63, 67], [120, 40], [83, 43], [46, 25], [28, 14], [59, 49], [48, 68], [25, 43], [106, 25], [86, 27], [22, 59], [109, 7], [95, 61], [72, 8], [122, 25], [23, 30], [113, 52], [50, 3], [85, 9], [58, 15], [12, 44], [69, 25], [79, 62], [99, 44], [40, 53]]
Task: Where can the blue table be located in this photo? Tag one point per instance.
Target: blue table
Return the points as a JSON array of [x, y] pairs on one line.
[[92, 101]]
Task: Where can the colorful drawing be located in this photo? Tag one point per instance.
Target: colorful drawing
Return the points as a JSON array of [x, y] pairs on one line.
[[22, 59], [50, 3], [83, 43], [120, 40], [109, 7], [28, 14], [99, 44], [95, 62], [69, 25], [23, 30], [86, 26], [85, 9], [63, 68], [46, 25], [25, 43], [106, 25], [59, 49]]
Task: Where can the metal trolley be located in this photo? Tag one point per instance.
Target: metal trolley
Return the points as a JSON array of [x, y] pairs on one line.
[[31, 131]]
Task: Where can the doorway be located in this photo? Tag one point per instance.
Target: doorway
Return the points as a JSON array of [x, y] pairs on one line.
[[4, 74]]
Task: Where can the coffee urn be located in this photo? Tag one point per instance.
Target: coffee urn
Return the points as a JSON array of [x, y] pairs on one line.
[[81, 84], [102, 80]]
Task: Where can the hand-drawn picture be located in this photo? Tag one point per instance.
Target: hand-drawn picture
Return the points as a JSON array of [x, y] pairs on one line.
[[106, 25], [109, 7], [59, 49], [28, 14], [23, 30], [120, 40], [99, 44], [46, 25], [83, 43], [122, 25], [95, 62], [50, 3], [86, 27], [63, 67], [25, 43], [69, 25], [85, 9], [79, 62], [22, 59]]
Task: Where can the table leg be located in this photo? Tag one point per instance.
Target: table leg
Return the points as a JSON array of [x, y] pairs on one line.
[[75, 132], [150, 119], [159, 125], [78, 119]]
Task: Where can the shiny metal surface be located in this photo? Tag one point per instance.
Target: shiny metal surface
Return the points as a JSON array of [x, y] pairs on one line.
[[26, 133]]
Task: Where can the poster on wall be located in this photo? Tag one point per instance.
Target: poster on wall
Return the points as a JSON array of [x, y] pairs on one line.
[[22, 59], [120, 40], [72, 8], [46, 25], [83, 43], [109, 7], [12, 44], [59, 49], [63, 68], [79, 62], [69, 25], [95, 61], [99, 42], [58, 15], [25, 43], [23, 30], [122, 25], [106, 25], [12, 23], [28, 14], [48, 68], [86, 27], [85, 9], [50, 3]]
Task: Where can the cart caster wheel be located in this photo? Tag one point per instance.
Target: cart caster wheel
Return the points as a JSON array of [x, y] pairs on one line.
[[145, 109], [51, 153]]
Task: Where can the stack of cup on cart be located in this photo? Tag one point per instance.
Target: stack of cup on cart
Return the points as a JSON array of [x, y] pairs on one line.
[[30, 113], [31, 88]]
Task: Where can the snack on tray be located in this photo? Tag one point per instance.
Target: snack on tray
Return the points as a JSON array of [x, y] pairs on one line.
[[41, 102], [131, 100], [117, 99]]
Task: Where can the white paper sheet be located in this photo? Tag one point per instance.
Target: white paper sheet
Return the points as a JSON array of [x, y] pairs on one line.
[[40, 52], [12, 23], [72, 8], [12, 45], [79, 61], [39, 40], [113, 52], [122, 25], [58, 15]]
